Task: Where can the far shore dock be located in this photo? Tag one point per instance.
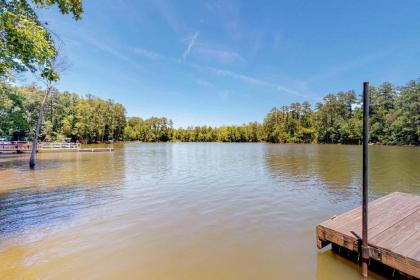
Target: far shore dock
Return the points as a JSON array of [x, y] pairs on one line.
[[17, 147], [394, 232]]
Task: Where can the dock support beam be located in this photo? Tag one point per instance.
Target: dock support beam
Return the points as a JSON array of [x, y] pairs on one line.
[[365, 246]]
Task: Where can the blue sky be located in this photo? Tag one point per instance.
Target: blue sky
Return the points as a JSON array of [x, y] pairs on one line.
[[230, 62]]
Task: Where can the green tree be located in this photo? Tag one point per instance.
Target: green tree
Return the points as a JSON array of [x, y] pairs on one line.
[[382, 102], [25, 42], [13, 123], [405, 119], [332, 115]]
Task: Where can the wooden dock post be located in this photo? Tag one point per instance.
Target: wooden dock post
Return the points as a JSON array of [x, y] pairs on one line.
[[365, 245]]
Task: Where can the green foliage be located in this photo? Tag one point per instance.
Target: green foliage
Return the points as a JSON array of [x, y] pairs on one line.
[[333, 116], [25, 42], [290, 124], [66, 115], [73, 7], [403, 122], [149, 130], [13, 123], [394, 119]]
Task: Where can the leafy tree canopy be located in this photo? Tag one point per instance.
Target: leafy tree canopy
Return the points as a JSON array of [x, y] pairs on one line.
[[25, 42]]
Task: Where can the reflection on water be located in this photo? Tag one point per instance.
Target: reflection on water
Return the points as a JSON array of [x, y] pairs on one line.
[[24, 209], [339, 168], [187, 211], [61, 169]]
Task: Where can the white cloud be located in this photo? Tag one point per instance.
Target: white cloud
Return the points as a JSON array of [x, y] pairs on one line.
[[244, 78], [108, 49], [148, 53], [168, 13], [222, 72], [190, 45], [205, 83], [254, 81], [344, 67], [224, 94], [220, 55]]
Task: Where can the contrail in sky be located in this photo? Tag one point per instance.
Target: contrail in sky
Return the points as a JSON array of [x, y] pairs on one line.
[[190, 45]]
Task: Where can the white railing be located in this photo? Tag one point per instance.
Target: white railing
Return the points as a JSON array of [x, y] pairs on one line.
[[58, 146], [15, 146]]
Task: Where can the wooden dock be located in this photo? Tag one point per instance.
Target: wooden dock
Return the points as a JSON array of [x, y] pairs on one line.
[[393, 232], [15, 147], [26, 147]]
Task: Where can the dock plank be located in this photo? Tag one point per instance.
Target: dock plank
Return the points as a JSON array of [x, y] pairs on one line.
[[398, 233], [349, 217], [410, 246], [393, 228]]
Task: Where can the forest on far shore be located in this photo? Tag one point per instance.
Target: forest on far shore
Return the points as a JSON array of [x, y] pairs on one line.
[[394, 119]]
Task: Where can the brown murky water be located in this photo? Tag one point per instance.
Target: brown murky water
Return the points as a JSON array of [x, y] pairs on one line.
[[187, 211]]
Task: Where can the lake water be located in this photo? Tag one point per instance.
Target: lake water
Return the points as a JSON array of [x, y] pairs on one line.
[[187, 210]]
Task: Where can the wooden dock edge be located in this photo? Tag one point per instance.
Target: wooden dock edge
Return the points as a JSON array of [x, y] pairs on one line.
[[325, 236]]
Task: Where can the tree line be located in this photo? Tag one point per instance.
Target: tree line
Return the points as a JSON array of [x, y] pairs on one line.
[[394, 119], [66, 115]]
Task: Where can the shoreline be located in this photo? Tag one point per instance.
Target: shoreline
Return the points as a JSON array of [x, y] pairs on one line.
[[110, 145], [260, 142]]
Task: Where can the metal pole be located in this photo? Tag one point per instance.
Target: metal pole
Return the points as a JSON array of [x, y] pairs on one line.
[[365, 246]]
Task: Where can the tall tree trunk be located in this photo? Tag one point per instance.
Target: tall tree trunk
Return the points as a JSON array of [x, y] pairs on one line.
[[37, 128]]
